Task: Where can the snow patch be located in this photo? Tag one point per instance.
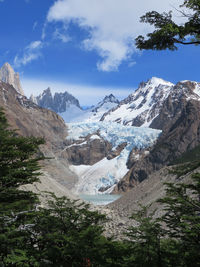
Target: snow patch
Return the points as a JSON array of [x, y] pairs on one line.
[[72, 111], [94, 137]]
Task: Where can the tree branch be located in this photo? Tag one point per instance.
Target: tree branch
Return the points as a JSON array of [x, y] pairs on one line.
[[185, 43]]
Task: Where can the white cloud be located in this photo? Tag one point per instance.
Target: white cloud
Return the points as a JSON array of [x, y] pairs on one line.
[[35, 24], [30, 53], [34, 45], [87, 95], [131, 64], [112, 24], [60, 35]]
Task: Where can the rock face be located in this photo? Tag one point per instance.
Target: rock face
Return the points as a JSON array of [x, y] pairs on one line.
[[179, 118], [141, 107], [32, 120], [89, 152], [66, 105], [29, 118], [8, 75], [58, 103]]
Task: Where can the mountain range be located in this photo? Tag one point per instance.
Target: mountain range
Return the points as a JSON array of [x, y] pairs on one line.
[[104, 151], [68, 107], [156, 104]]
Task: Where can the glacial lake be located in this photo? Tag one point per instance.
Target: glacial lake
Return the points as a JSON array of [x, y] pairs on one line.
[[100, 199]]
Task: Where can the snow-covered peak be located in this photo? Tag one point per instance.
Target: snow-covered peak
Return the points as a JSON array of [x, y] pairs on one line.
[[95, 113], [151, 84], [107, 103], [158, 81], [197, 89], [8, 75], [110, 98], [142, 106]]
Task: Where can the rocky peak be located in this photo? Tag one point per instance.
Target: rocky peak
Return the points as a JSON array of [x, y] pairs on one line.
[[58, 102], [47, 92], [8, 75], [188, 89], [33, 99], [106, 104], [142, 106], [45, 99], [110, 98]]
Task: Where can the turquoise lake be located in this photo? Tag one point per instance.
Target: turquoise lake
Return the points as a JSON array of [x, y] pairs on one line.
[[100, 199]]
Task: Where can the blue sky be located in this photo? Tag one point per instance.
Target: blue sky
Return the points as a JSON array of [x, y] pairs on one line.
[[87, 46]]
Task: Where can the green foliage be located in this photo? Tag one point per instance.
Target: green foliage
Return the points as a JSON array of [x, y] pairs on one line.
[[182, 210], [173, 239], [167, 33], [183, 169], [146, 236], [69, 234], [18, 166]]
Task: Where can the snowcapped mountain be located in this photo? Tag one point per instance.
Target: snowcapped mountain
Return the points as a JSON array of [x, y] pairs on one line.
[[181, 94], [103, 148], [65, 104], [8, 75], [95, 113], [142, 106], [68, 107]]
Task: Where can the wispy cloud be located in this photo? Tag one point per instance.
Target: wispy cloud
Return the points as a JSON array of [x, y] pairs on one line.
[[60, 35], [30, 53], [35, 25], [112, 25]]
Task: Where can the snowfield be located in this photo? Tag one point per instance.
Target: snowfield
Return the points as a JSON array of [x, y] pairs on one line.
[[73, 113], [141, 103], [106, 173]]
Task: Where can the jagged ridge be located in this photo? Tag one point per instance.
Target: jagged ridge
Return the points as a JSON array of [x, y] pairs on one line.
[[142, 106], [58, 103]]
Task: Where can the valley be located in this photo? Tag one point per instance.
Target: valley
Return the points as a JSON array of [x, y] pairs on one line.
[[99, 133], [109, 149]]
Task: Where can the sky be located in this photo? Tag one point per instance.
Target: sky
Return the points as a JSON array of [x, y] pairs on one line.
[[87, 46]]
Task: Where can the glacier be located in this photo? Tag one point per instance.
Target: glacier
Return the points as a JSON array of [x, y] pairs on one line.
[[106, 173]]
